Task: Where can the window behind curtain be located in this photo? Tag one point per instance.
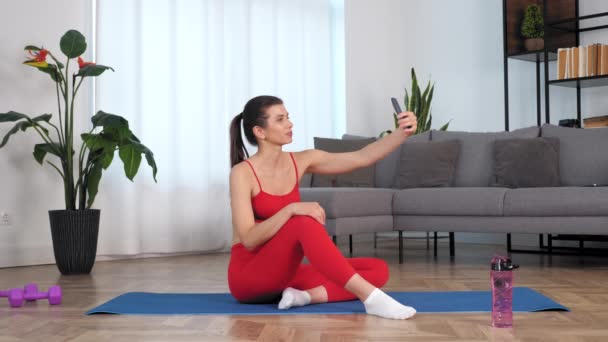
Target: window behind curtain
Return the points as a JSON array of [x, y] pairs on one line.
[[184, 69]]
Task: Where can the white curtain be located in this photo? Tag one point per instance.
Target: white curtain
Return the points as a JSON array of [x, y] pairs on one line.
[[184, 69]]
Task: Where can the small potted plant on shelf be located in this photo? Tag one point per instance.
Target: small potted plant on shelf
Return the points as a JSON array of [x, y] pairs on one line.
[[418, 102], [75, 230], [533, 28]]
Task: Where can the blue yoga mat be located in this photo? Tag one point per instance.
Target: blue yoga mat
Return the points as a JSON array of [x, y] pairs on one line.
[[145, 303]]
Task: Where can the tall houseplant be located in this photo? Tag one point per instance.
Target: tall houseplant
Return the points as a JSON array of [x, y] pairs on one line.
[[419, 102], [533, 28], [75, 229]]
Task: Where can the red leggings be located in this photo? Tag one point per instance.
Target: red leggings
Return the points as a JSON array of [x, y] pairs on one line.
[[261, 275]]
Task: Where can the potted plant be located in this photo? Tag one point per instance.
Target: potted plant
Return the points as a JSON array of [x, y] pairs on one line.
[[533, 28], [75, 229], [419, 103]]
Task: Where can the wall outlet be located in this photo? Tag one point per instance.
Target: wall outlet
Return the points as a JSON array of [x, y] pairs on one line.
[[4, 219]]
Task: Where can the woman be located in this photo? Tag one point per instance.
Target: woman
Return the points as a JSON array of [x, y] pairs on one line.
[[273, 230]]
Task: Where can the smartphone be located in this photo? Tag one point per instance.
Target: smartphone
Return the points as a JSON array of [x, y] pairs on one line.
[[397, 107]]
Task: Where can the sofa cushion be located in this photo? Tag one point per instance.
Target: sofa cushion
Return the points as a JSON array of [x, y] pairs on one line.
[[583, 159], [559, 201], [526, 163], [350, 202], [360, 178], [427, 164], [449, 201], [475, 161], [386, 168]]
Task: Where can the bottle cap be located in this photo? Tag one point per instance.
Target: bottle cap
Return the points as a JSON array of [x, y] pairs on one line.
[[502, 263]]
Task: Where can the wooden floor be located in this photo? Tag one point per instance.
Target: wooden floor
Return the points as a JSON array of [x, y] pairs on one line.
[[581, 283]]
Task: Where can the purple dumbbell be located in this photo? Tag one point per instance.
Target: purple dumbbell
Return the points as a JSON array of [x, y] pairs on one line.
[[15, 297], [31, 293]]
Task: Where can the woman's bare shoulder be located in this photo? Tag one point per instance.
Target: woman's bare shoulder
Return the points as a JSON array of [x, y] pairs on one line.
[[239, 172]]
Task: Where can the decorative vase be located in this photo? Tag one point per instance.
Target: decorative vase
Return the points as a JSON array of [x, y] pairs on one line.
[[534, 44], [74, 234]]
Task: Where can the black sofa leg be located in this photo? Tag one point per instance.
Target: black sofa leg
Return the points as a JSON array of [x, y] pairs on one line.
[[335, 239], [400, 247], [434, 243], [375, 240], [509, 242], [350, 244], [541, 243], [549, 243], [451, 244]]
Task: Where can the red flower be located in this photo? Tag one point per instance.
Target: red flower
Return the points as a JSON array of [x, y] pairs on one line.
[[38, 58], [82, 63], [40, 55]]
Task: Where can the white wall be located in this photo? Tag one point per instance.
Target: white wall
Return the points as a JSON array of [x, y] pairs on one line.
[[26, 188], [458, 44]]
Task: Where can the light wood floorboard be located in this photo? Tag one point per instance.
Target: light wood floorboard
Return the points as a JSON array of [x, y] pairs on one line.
[[581, 283]]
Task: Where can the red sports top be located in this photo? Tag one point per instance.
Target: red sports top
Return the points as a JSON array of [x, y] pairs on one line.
[[266, 205]]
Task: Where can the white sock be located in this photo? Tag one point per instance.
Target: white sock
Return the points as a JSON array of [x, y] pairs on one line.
[[292, 298], [380, 304]]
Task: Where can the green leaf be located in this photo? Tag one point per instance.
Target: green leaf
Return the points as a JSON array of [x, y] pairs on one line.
[[426, 91], [106, 160], [101, 142], [415, 97], [108, 120], [43, 117], [423, 110], [149, 156], [40, 151], [52, 71], [445, 127], [92, 180], [114, 125], [428, 124], [131, 159], [12, 116], [73, 44], [32, 47], [98, 141], [93, 70], [23, 125]]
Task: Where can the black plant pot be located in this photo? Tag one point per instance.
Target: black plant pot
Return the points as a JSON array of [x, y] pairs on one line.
[[74, 235]]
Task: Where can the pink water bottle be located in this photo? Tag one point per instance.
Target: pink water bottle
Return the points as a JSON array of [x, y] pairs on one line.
[[501, 277]]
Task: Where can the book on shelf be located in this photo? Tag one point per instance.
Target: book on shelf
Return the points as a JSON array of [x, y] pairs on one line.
[[604, 60], [582, 61], [575, 62], [582, 56], [596, 122], [561, 63]]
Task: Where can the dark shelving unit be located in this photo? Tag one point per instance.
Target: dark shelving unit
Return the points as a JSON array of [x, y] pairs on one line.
[[560, 14], [582, 82], [569, 24], [533, 56], [562, 30]]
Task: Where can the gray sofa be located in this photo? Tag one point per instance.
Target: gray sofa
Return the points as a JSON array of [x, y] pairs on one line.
[[471, 205]]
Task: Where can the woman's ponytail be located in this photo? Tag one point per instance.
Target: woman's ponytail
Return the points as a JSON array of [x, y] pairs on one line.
[[238, 152]]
